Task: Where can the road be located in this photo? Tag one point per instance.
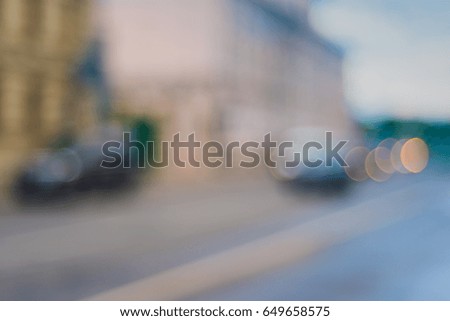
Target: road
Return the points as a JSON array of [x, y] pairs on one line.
[[240, 238], [406, 260]]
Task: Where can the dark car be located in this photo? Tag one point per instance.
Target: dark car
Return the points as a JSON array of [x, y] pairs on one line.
[[323, 176], [75, 168]]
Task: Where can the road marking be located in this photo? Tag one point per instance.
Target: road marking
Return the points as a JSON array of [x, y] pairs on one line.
[[269, 253]]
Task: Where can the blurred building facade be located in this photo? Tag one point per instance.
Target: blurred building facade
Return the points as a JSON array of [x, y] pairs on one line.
[[224, 69], [40, 40]]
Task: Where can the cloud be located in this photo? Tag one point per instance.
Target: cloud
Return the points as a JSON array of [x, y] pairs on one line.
[[398, 55]]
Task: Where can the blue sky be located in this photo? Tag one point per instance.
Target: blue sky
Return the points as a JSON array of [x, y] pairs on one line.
[[397, 54]]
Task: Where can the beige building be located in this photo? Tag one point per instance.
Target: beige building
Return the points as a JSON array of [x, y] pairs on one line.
[[232, 68], [40, 41], [226, 69]]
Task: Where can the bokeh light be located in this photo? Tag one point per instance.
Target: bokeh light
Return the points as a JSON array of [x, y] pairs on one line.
[[383, 160], [372, 169], [355, 159], [414, 155], [396, 157]]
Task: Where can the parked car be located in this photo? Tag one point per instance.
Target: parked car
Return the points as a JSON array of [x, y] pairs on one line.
[[74, 168], [312, 169]]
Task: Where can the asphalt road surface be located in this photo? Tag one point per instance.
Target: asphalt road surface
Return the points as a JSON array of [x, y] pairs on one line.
[[234, 239]]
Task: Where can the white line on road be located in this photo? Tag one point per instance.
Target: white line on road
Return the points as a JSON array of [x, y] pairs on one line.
[[269, 253]]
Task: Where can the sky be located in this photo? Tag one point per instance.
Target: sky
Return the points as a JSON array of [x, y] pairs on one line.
[[397, 54]]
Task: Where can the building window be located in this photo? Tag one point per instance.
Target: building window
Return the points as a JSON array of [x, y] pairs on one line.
[[71, 21], [2, 15], [34, 105], [2, 116], [33, 18]]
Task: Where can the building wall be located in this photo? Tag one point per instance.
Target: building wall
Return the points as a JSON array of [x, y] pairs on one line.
[[39, 43], [283, 71], [161, 41], [227, 69]]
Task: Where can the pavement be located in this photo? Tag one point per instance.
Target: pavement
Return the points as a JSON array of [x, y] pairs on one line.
[[407, 258], [245, 238]]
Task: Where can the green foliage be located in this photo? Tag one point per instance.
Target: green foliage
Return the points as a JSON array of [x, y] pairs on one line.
[[435, 134]]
